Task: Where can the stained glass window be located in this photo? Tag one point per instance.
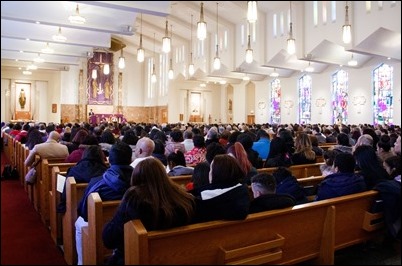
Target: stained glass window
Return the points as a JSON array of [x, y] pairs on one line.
[[340, 87], [383, 84], [305, 99], [276, 101]]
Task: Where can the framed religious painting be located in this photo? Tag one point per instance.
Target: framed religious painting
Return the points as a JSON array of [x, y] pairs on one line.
[[100, 79]]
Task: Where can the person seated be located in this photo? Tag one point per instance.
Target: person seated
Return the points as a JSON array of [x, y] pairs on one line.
[[111, 186], [92, 164], [327, 167], [154, 199], [177, 164], [197, 154], [199, 178], [265, 196], [226, 197], [238, 152], [304, 153], [344, 181], [286, 183]]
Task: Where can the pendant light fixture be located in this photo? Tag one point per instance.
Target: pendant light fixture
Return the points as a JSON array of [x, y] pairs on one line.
[[201, 25], [352, 61], [252, 11], [291, 48], [166, 40], [217, 60], [153, 75], [122, 60], [77, 18], [59, 37], [171, 72], [191, 65], [106, 67], [47, 49], [140, 50], [39, 59], [347, 28], [249, 51]]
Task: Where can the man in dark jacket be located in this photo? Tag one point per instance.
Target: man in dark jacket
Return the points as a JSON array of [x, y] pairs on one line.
[[265, 197], [344, 181], [111, 186]]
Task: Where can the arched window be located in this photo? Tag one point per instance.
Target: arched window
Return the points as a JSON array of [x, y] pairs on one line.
[[383, 84], [340, 87], [305, 99], [276, 101]]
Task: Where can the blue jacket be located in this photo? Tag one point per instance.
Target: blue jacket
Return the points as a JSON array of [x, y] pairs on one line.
[[262, 147], [340, 184], [112, 186]]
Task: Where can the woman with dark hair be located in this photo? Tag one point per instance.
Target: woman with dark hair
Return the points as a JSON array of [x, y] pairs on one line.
[[225, 197], [92, 164], [278, 154], [177, 164], [107, 140], [370, 166], [159, 151], [199, 178], [154, 199], [33, 137], [77, 140], [76, 155]]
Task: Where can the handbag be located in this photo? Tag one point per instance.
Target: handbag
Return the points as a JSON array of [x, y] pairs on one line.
[[30, 177]]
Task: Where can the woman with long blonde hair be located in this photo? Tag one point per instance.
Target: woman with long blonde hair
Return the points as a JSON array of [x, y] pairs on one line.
[[304, 153]]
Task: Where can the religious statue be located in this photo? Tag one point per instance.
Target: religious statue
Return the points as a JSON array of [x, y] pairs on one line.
[[22, 99], [107, 89], [94, 89]]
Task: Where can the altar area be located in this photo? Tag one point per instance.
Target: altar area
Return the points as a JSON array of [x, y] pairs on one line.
[[100, 118]]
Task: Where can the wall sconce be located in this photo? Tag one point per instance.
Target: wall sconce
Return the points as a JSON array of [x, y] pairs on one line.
[[359, 101], [201, 25], [288, 105], [320, 102]]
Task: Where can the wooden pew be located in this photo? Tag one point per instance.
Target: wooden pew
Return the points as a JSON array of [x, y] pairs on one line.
[[99, 213], [54, 200], [298, 171], [310, 185], [285, 236], [44, 182], [181, 179]]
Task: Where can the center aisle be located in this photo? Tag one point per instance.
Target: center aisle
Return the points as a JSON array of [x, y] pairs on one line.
[[24, 238]]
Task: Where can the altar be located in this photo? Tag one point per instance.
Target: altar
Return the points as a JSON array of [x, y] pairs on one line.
[[110, 118]]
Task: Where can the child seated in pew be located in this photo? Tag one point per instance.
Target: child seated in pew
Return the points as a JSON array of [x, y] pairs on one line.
[[344, 181], [111, 186], [327, 167], [92, 164], [286, 183], [199, 178], [265, 196], [154, 199]]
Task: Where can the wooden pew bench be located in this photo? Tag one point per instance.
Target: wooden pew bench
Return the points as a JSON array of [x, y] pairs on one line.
[[74, 193], [99, 213], [298, 171], [45, 184], [306, 232]]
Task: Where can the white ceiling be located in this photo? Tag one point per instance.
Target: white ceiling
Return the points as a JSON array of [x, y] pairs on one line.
[[121, 20]]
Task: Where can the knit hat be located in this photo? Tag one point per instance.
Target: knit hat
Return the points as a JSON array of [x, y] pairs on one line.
[[120, 154]]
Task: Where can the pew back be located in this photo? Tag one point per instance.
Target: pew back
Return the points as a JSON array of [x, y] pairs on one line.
[[287, 236], [74, 193], [99, 213]]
